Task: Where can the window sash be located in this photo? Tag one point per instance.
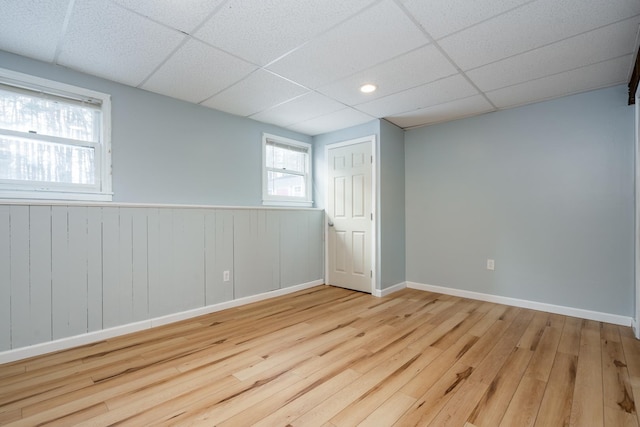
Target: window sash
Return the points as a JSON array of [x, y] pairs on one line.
[[285, 150], [35, 160], [37, 91], [48, 138], [287, 171], [56, 116], [290, 147]]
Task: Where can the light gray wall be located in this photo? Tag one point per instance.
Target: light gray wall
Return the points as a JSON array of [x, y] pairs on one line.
[[392, 205], [547, 190], [390, 254], [169, 151]]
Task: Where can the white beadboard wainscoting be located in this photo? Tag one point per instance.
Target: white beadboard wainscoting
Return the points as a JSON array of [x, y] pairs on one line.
[[74, 270]]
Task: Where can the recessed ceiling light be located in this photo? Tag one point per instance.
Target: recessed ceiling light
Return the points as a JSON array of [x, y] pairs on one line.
[[368, 88]]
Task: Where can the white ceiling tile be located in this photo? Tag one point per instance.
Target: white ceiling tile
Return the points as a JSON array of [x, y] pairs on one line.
[[412, 69], [32, 27], [337, 120], [603, 74], [438, 92], [316, 53], [457, 109], [298, 110], [374, 36], [594, 46], [185, 18], [257, 92], [105, 40], [530, 26], [440, 18], [197, 71], [262, 31]]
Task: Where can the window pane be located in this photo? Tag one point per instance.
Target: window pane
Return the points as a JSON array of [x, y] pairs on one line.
[[28, 160], [24, 113], [281, 157], [284, 184]]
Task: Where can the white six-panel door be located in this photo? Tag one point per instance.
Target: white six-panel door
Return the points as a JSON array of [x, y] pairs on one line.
[[350, 215]]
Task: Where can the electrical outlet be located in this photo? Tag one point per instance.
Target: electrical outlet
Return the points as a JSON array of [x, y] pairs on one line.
[[491, 264], [225, 276]]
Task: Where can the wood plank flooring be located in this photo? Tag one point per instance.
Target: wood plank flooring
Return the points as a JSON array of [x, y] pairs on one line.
[[331, 357]]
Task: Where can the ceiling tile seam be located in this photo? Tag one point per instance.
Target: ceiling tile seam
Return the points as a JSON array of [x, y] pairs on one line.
[[316, 90], [332, 112], [211, 15], [355, 107], [348, 76], [312, 118], [251, 116], [226, 88], [323, 33], [302, 122], [264, 67], [574, 92], [235, 84], [487, 19], [186, 38], [552, 43], [191, 37], [285, 78], [442, 51], [184, 41], [436, 105], [409, 89], [218, 48], [148, 18], [465, 116], [308, 90], [559, 72], [63, 31], [271, 107], [492, 110]]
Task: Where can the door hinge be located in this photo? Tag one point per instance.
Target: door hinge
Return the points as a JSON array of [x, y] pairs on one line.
[[371, 159], [372, 216], [370, 273]]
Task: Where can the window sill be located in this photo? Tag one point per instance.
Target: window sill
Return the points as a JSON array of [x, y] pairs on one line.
[[288, 203], [56, 196]]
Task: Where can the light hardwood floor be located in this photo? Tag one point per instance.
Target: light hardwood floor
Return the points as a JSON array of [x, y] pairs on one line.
[[331, 357]]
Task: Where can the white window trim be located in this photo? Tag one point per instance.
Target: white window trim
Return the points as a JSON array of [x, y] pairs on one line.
[[103, 191], [269, 200]]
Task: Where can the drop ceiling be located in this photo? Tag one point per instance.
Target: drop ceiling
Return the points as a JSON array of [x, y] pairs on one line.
[[299, 63]]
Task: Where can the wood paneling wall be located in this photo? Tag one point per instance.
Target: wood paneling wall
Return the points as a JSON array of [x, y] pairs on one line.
[[69, 270]]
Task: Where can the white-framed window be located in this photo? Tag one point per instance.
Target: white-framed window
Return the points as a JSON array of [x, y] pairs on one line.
[[55, 140], [286, 172]]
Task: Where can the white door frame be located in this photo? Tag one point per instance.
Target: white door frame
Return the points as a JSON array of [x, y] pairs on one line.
[[374, 191], [636, 321]]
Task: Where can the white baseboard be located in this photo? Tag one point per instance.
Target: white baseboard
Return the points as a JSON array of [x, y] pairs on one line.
[[636, 327], [103, 334], [541, 306], [391, 289]]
